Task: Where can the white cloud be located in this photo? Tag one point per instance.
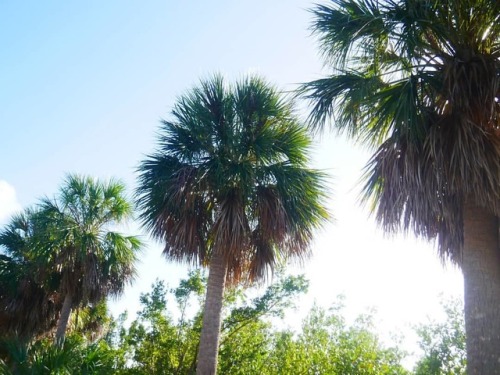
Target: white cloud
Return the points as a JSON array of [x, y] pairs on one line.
[[8, 201]]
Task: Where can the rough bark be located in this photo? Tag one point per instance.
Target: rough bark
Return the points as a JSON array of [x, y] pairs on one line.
[[481, 269], [210, 331], [62, 323]]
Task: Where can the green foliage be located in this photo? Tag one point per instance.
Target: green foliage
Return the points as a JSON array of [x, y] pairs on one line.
[[246, 331], [158, 343], [443, 343], [276, 299], [328, 345], [245, 349], [76, 356], [164, 337], [91, 321]]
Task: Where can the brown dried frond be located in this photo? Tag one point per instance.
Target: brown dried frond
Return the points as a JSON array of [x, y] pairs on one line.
[[269, 233], [470, 87], [409, 193], [183, 222], [297, 244], [263, 256], [422, 186], [270, 214], [32, 312], [231, 233]]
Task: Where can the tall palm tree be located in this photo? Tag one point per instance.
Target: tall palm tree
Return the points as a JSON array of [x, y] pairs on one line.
[[419, 82], [92, 259], [228, 188], [28, 301]]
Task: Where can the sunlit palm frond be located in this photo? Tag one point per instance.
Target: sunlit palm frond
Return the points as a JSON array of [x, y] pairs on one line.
[[348, 24]]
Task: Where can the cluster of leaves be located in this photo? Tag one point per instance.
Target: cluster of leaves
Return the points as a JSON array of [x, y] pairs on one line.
[[326, 344], [443, 343], [163, 340], [164, 337]]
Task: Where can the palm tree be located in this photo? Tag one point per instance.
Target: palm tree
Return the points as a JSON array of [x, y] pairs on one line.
[[28, 301], [93, 261], [228, 188], [419, 82]]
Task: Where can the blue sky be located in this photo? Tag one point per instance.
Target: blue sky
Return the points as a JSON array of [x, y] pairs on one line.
[[83, 86]]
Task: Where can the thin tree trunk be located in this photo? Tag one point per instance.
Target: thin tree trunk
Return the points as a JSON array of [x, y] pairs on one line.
[[210, 331], [63, 319], [481, 269]]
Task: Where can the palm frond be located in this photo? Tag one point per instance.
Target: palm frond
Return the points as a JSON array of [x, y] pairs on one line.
[[349, 24]]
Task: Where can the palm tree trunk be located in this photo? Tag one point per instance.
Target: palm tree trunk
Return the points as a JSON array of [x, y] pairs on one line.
[[63, 319], [481, 269], [210, 331]]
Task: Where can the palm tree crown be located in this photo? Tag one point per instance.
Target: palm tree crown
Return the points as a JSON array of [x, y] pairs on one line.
[[419, 81], [230, 176], [93, 260]]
